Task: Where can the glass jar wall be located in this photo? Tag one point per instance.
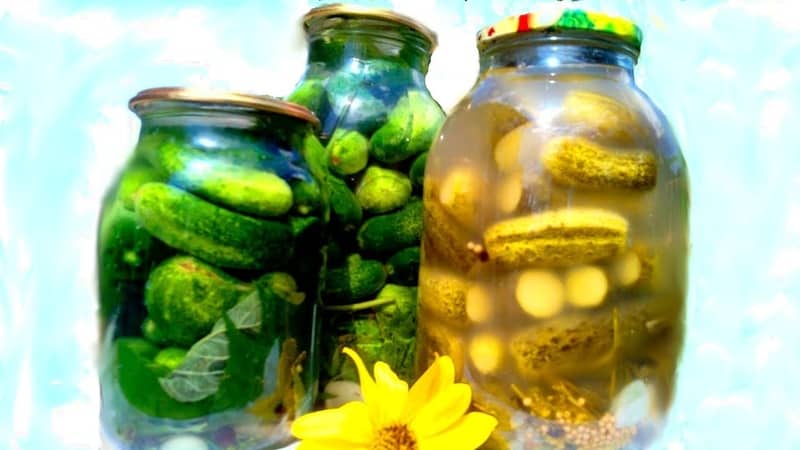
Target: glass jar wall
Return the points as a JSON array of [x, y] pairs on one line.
[[365, 80], [210, 252], [556, 237]]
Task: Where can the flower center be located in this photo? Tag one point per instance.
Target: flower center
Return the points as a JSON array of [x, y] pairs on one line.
[[394, 437]]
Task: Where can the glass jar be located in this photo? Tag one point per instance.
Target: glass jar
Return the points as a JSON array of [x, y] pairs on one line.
[[556, 236], [366, 82], [210, 251]]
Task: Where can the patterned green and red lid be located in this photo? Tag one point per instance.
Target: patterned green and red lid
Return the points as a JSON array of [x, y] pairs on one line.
[[569, 19]]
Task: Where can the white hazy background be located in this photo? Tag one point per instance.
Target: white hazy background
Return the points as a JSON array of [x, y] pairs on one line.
[[725, 72]]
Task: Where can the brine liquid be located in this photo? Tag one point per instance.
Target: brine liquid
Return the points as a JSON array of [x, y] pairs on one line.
[[577, 347]]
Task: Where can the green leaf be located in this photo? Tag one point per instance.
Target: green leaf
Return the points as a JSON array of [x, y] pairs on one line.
[[138, 378], [243, 379], [201, 372]]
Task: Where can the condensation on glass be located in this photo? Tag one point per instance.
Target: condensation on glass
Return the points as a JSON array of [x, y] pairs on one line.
[[556, 236], [210, 251]]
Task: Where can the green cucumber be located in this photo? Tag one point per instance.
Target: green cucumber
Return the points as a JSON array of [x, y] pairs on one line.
[[209, 232], [135, 174], [417, 172], [344, 204], [403, 266], [185, 297], [409, 129], [307, 196], [383, 190], [392, 232], [356, 280], [170, 357], [126, 253], [348, 152], [244, 189], [312, 95]]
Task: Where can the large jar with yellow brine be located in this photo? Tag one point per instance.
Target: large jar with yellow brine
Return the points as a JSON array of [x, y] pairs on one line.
[[556, 236]]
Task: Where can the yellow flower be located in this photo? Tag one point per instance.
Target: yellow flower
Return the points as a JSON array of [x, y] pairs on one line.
[[429, 416]]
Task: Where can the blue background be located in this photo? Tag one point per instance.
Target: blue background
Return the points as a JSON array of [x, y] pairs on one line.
[[726, 73]]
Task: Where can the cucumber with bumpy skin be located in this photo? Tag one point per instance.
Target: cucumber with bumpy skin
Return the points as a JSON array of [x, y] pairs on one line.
[[209, 232], [185, 297], [249, 190], [356, 280], [403, 266], [344, 204], [392, 232]]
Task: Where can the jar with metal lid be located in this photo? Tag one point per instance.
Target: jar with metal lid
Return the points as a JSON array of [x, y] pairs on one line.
[[556, 238], [365, 80], [210, 253]]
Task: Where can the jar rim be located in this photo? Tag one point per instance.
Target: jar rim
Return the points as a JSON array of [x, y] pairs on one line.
[[345, 10], [254, 102]]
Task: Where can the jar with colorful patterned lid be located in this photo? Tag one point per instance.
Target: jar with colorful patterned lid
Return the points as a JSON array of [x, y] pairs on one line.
[[210, 253], [556, 236], [365, 80]]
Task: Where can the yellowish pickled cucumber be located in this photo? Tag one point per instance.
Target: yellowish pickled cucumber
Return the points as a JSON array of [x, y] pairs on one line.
[[486, 352], [501, 119], [460, 194], [447, 239], [587, 286], [632, 268], [508, 148], [581, 343], [540, 293], [444, 294], [557, 238], [578, 162], [509, 193], [604, 116], [434, 339], [478, 304]]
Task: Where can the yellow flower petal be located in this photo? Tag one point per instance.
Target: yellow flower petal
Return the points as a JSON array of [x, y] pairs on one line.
[[442, 411], [438, 376], [349, 424], [392, 392], [329, 445], [367, 383], [467, 434]]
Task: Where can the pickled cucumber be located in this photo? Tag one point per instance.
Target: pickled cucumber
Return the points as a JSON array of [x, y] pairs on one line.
[[214, 234], [460, 194], [185, 297], [312, 95], [383, 190], [417, 172], [136, 174], [126, 253], [349, 152], [604, 116], [447, 239], [344, 205], [403, 266], [444, 294], [409, 129], [391, 232], [576, 344], [434, 340], [578, 162], [557, 238], [244, 189], [357, 280]]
